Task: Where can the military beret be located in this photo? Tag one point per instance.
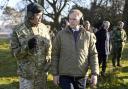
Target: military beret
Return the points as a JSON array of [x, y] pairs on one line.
[[34, 8]]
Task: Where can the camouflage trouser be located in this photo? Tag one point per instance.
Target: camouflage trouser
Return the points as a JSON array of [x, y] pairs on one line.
[[25, 83], [39, 82], [86, 78], [116, 55]]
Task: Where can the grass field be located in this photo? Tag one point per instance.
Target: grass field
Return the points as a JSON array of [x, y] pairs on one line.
[[117, 78]]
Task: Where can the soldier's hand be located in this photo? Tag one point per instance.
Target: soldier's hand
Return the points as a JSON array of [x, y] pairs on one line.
[[32, 43], [56, 80], [93, 81]]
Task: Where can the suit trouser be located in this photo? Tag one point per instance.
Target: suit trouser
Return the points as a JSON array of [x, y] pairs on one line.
[[103, 60], [70, 82]]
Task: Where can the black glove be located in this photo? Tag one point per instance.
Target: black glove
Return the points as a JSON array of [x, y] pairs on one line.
[[32, 43]]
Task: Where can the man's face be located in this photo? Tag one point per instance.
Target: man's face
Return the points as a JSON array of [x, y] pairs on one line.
[[121, 25], [36, 18], [106, 25], [87, 25], [74, 20]]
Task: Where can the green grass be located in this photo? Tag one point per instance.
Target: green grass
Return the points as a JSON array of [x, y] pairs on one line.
[[8, 77], [117, 78]]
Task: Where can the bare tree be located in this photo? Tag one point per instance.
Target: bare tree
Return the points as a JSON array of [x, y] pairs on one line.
[[13, 15], [57, 7], [99, 9], [53, 9]]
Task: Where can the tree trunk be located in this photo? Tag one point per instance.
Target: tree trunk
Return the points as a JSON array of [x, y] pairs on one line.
[[41, 2]]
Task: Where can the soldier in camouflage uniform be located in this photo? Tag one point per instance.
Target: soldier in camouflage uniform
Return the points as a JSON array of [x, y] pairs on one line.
[[31, 46], [118, 39]]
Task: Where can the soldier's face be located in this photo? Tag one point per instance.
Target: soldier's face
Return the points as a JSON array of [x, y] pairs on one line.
[[36, 18], [87, 26]]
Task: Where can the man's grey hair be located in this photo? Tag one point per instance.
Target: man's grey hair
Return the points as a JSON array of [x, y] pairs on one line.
[[120, 22], [77, 11], [106, 22]]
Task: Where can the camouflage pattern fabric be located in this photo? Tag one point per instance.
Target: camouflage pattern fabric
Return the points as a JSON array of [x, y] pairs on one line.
[[40, 81], [32, 64], [118, 40], [25, 84], [118, 37]]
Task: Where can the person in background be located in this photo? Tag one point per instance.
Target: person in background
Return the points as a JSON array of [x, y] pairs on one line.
[[118, 40], [64, 23], [102, 45], [87, 26], [71, 49], [31, 46]]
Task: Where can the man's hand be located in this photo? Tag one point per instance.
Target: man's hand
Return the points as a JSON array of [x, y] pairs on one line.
[[56, 80], [93, 81]]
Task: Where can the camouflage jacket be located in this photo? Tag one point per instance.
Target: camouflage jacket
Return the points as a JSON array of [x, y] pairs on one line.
[[31, 63], [118, 37]]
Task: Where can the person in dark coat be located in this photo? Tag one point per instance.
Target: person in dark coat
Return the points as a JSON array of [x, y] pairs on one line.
[[102, 45]]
